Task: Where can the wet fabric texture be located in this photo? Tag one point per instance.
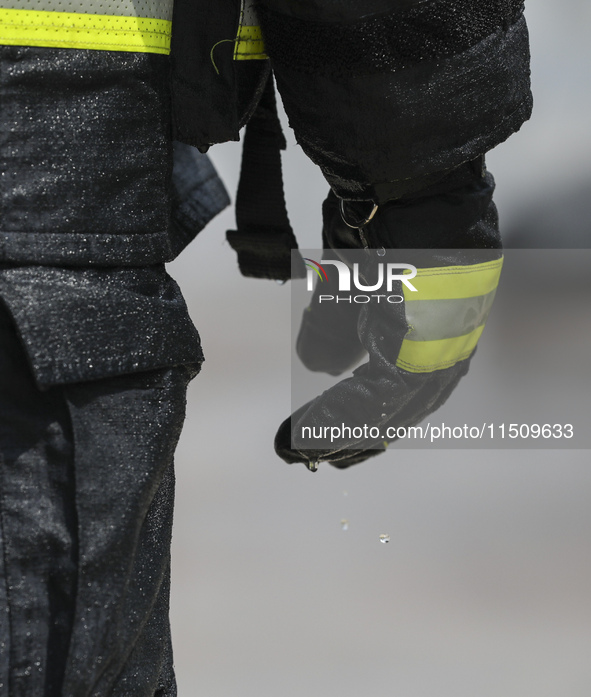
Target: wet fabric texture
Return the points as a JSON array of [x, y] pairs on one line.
[[85, 153], [198, 195], [86, 161], [82, 324], [389, 40], [86, 497], [412, 92], [89, 177], [86, 478]]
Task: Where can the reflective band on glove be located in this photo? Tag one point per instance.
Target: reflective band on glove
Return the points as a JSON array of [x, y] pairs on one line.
[[446, 315], [90, 31]]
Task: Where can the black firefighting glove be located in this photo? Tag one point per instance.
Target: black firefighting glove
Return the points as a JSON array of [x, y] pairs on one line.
[[419, 342]]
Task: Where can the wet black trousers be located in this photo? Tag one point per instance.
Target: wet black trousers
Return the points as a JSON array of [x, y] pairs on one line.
[[86, 498]]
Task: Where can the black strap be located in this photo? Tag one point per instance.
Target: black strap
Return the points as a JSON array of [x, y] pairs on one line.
[[264, 239]]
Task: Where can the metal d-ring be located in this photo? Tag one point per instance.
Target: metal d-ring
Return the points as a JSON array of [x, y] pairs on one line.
[[358, 224]]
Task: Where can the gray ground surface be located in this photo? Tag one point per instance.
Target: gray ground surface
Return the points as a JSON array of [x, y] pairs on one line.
[[484, 587]]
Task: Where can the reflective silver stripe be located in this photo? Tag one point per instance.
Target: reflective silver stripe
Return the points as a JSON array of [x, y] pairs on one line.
[[249, 16], [430, 320], [152, 9]]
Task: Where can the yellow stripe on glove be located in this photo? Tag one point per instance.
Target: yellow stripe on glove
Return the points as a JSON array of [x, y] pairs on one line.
[[447, 314]]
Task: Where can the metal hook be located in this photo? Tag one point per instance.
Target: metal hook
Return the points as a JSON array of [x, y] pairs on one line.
[[358, 224]]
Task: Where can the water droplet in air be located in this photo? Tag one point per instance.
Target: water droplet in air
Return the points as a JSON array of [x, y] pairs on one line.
[[344, 524], [384, 538], [381, 252], [384, 416], [313, 466], [280, 282]]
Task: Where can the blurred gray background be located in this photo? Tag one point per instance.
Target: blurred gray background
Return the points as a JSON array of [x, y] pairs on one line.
[[484, 588]]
